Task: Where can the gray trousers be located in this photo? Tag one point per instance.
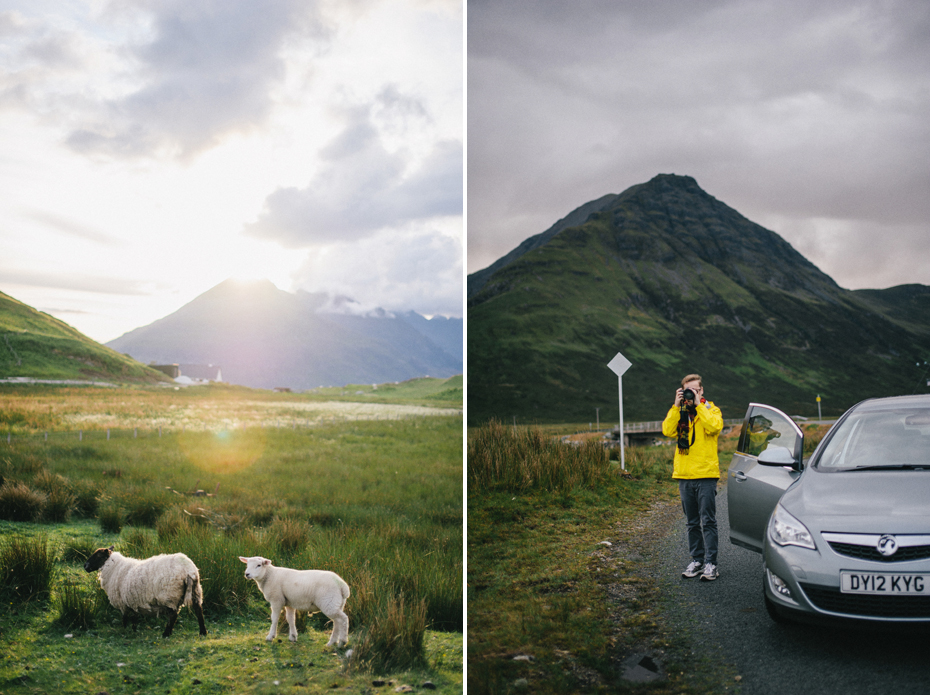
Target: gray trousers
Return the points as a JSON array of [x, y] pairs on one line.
[[699, 502]]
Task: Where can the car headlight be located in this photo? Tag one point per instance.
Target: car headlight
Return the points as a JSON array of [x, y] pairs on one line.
[[784, 529]]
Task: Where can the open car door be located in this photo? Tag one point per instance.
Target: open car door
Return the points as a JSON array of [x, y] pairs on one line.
[[767, 461]]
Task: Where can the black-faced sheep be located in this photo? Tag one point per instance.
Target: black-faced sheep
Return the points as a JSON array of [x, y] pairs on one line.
[[301, 590], [156, 585]]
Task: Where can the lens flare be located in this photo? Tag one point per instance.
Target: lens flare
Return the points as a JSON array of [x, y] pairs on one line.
[[226, 451]]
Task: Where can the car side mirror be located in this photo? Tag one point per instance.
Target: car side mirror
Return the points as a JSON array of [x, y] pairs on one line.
[[777, 456]]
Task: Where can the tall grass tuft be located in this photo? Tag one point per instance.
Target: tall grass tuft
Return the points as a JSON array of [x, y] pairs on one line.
[[111, 518], [216, 555], [79, 549], [393, 641], [138, 542], [649, 462], [80, 606], [291, 535], [501, 457], [143, 508], [86, 497], [59, 505], [27, 567], [19, 502], [60, 501], [174, 522]]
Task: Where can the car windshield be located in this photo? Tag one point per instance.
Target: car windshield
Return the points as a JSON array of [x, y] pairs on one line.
[[893, 439]]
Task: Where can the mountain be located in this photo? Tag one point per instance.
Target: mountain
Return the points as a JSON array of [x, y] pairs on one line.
[[264, 337], [36, 345], [678, 282]]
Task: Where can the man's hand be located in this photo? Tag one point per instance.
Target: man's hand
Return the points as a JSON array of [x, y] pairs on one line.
[[678, 397]]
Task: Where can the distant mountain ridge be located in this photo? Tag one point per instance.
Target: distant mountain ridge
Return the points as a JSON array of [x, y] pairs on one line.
[[264, 337], [678, 282]]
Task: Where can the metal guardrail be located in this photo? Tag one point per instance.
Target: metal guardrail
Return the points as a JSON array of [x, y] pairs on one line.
[[656, 425]]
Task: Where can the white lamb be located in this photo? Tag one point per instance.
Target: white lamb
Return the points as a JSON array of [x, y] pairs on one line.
[[157, 585], [301, 590]]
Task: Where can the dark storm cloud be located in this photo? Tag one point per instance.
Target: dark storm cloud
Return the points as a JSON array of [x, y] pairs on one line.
[[808, 115], [362, 188], [207, 70]]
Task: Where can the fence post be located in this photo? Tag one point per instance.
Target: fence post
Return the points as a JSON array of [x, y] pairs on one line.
[[80, 435], [135, 432], [108, 434]]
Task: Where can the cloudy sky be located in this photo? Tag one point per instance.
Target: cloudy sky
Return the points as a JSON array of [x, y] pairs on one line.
[[150, 150], [809, 118]]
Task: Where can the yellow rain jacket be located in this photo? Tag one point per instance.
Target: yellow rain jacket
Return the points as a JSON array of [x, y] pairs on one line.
[[701, 460]]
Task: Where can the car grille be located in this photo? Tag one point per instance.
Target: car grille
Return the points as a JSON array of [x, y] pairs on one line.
[[867, 552], [835, 601]]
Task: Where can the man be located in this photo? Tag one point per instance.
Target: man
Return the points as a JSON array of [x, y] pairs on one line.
[[696, 423]]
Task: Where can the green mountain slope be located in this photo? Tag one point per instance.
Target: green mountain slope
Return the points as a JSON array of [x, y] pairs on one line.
[[34, 344], [679, 282]]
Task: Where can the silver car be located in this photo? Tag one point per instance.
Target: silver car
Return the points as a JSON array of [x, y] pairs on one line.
[[845, 534]]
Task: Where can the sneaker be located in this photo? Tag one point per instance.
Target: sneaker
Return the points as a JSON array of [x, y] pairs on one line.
[[692, 570], [710, 572]]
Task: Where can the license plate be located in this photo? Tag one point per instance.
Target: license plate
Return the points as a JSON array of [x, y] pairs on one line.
[[884, 583]]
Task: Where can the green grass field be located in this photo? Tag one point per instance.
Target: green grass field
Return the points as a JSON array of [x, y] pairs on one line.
[[541, 585], [379, 502]]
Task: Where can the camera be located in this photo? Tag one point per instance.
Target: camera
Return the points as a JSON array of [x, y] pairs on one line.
[[687, 411]]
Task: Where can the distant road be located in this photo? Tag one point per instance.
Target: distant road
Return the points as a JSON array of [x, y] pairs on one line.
[[727, 618], [65, 382]]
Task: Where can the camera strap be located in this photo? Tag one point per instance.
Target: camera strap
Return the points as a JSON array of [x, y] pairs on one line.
[[685, 422]]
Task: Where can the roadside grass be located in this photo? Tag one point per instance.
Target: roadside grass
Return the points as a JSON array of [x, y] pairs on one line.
[[548, 611], [379, 502]]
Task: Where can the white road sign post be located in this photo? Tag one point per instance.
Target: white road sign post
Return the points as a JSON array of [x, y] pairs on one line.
[[618, 365]]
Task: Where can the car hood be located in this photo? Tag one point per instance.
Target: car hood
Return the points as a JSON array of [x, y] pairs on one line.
[[892, 501]]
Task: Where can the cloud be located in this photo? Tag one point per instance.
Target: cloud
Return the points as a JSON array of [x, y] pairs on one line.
[[76, 281], [206, 69], [362, 187], [68, 226], [417, 270]]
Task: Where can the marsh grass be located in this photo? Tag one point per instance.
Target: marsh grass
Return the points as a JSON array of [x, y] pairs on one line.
[[77, 550], [19, 502], [375, 502], [393, 638], [291, 534], [111, 517], [516, 459], [647, 462], [79, 604], [27, 567]]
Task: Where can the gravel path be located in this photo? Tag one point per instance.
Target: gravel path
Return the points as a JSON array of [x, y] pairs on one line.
[[728, 622]]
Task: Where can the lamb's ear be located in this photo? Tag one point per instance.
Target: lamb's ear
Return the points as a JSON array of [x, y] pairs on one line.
[[266, 562], [110, 548], [244, 559]]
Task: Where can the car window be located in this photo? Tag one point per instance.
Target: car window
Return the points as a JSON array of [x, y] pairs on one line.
[[767, 428], [893, 438]]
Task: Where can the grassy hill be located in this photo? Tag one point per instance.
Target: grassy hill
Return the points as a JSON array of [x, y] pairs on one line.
[[34, 344], [679, 282]]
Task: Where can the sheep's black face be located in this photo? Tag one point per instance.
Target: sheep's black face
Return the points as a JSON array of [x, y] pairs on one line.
[[97, 560]]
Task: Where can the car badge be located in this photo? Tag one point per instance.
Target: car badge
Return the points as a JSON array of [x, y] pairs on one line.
[[887, 545]]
